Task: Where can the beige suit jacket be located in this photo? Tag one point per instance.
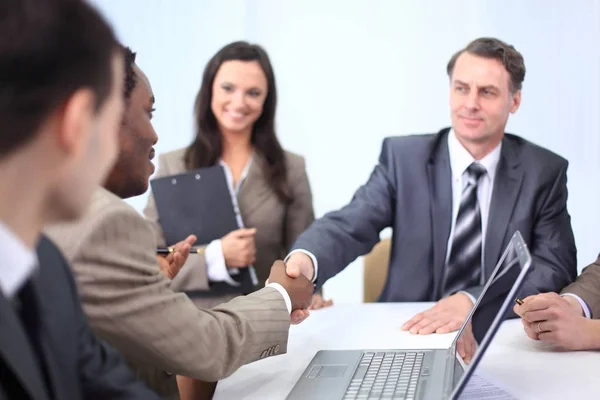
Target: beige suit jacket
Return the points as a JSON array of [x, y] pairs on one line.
[[130, 304], [277, 224], [587, 286]]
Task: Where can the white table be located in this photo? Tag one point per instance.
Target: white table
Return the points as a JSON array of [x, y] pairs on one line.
[[529, 369]]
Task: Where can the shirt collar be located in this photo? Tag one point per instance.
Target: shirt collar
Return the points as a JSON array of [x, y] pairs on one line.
[[246, 167], [460, 158], [19, 261]]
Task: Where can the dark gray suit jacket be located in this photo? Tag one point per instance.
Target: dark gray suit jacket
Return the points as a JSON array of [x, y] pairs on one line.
[[78, 365], [410, 190]]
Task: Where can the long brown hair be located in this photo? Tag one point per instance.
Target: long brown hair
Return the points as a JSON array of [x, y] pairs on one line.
[[206, 148]]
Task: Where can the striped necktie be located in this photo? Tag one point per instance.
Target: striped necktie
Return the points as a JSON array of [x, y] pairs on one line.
[[463, 269]]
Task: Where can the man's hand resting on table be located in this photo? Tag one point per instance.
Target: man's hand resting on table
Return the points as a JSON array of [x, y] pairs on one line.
[[447, 315], [319, 302]]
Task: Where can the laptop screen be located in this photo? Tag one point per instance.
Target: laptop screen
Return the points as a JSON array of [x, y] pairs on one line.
[[511, 268]]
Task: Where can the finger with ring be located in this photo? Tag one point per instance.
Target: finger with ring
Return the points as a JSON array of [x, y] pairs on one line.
[[539, 327]]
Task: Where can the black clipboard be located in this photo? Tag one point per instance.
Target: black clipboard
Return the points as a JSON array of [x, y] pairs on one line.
[[199, 202]]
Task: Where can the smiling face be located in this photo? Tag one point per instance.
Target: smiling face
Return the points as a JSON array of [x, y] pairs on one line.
[[481, 101], [239, 91], [134, 167]]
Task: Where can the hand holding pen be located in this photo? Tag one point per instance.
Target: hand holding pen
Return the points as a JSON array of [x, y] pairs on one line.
[[171, 259]]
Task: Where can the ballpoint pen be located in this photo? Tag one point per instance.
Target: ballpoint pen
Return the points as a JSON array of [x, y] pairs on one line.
[[519, 301], [169, 250]]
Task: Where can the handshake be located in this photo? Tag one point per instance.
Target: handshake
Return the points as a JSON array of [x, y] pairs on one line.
[[296, 278]]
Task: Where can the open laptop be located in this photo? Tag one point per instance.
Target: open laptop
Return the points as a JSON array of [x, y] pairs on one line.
[[409, 374]]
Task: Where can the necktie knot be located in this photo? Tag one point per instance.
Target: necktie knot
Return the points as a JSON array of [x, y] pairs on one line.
[[475, 171]]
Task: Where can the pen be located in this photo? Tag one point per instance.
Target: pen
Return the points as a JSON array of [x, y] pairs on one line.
[[169, 250], [519, 301]]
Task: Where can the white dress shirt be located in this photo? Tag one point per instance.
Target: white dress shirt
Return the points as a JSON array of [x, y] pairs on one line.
[[19, 262], [216, 268], [586, 309]]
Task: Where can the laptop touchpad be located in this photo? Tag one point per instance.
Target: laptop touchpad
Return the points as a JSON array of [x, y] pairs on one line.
[[327, 371]]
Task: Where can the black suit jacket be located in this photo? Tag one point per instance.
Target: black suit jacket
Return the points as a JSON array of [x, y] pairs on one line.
[[410, 190], [78, 365]]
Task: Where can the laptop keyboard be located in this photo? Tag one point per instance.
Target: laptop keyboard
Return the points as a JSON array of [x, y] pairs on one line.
[[386, 375]]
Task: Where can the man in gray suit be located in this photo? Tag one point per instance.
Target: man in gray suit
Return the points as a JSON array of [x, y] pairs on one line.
[[129, 301], [454, 199]]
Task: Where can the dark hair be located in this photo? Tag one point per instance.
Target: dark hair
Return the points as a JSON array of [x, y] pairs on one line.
[[498, 50], [49, 49], [206, 148], [130, 76]]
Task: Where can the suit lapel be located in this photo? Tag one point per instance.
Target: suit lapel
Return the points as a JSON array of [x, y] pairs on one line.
[[440, 195], [17, 352], [507, 184]]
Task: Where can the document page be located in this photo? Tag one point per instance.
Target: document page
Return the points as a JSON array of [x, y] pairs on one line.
[[479, 387]]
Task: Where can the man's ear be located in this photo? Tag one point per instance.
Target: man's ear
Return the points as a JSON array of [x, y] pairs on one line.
[[75, 121], [516, 102]]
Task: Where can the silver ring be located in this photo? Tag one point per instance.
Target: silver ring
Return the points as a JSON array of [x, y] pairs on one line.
[[539, 327]]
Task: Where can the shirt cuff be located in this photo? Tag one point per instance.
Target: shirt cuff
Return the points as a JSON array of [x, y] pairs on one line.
[[216, 269], [284, 293], [582, 303], [469, 295], [312, 257]]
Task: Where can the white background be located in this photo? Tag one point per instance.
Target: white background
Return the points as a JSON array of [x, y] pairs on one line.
[[351, 72]]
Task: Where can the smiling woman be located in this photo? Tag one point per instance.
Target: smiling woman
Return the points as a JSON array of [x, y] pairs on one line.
[[235, 128]]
